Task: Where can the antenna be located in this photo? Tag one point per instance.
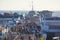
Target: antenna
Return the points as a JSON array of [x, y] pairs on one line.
[[32, 5]]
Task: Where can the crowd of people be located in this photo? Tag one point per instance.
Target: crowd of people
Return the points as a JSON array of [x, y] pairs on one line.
[[27, 28]]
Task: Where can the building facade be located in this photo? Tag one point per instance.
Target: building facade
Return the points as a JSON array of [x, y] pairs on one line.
[[51, 27]]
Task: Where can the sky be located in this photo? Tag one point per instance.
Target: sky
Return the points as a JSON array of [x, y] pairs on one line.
[[53, 5]]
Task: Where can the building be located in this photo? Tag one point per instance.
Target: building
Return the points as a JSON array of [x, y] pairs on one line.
[[32, 17], [45, 13], [7, 20], [51, 27]]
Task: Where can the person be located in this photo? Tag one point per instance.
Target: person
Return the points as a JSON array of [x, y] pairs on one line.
[[5, 38], [30, 38], [41, 38], [22, 38]]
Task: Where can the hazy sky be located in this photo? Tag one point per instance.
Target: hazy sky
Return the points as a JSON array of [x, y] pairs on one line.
[[26, 4]]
